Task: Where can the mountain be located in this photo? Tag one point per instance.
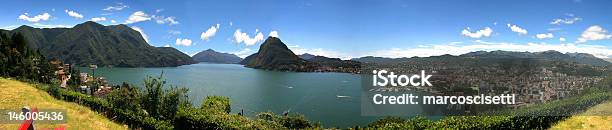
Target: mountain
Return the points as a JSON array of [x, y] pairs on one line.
[[334, 62], [273, 54], [581, 58], [306, 56], [174, 56], [213, 56], [248, 59], [608, 59], [382, 60], [93, 43]]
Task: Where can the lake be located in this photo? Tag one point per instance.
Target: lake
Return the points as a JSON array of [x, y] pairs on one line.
[[330, 98]]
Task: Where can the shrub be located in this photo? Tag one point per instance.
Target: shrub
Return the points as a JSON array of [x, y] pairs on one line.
[[191, 118], [133, 119], [289, 121], [216, 104], [417, 122], [126, 97]]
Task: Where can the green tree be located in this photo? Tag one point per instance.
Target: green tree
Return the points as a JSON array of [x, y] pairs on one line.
[[152, 94], [173, 99], [216, 104], [75, 79], [162, 103], [124, 97]]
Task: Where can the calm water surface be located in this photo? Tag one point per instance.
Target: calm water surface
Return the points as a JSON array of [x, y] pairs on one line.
[[314, 95]]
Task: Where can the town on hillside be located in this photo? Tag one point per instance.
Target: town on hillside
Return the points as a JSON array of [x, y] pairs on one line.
[[87, 84]]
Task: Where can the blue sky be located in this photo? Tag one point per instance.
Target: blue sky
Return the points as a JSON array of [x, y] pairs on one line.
[[342, 28]]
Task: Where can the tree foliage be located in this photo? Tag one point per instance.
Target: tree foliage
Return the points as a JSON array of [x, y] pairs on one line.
[[17, 60], [160, 102], [216, 104]]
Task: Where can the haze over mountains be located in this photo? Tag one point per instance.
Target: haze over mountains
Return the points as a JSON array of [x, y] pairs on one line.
[[213, 56], [581, 58], [93, 43], [306, 56]]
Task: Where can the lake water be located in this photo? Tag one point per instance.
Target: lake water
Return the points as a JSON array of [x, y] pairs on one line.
[[315, 95]]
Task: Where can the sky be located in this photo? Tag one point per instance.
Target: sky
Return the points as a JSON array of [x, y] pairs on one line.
[[341, 28]]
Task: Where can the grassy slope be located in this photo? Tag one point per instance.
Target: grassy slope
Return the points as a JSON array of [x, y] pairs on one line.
[[588, 120], [15, 94]]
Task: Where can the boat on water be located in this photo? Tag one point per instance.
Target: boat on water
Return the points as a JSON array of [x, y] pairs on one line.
[[341, 96]]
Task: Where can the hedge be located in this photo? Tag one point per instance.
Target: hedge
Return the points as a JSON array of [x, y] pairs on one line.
[[135, 120]]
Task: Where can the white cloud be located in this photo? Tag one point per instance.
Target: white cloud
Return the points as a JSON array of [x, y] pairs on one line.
[[119, 6], [517, 29], [594, 32], [113, 21], [240, 37], [562, 39], [10, 27], [137, 16], [441, 49], [167, 45], [174, 32], [97, 19], [244, 52], [209, 33], [544, 35], [183, 42], [571, 19], [142, 33], [273, 34], [38, 25], [231, 23], [164, 20], [486, 32], [37, 18], [74, 14]]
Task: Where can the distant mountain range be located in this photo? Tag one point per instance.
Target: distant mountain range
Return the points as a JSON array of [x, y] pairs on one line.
[[93, 43], [330, 62], [213, 56], [608, 59], [306, 56], [580, 58], [119, 45]]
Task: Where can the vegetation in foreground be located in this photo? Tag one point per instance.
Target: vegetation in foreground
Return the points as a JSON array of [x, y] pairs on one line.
[[16, 94], [596, 118]]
